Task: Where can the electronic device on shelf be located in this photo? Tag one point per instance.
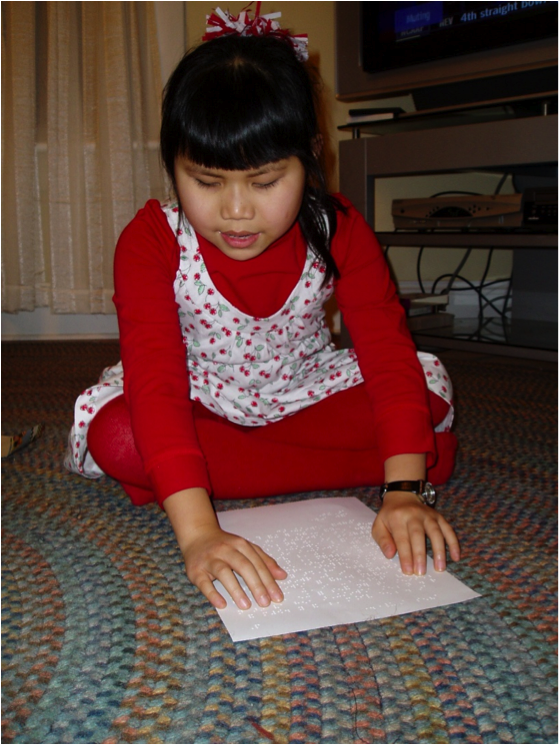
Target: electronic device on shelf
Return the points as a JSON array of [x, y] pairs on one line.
[[535, 209], [426, 310], [540, 208], [447, 54], [496, 211]]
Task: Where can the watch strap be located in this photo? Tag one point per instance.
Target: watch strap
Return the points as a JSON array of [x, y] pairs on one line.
[[423, 490]]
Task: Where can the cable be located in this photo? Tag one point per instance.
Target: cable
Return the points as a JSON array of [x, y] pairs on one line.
[[456, 272], [487, 302], [482, 282], [501, 182], [418, 275]]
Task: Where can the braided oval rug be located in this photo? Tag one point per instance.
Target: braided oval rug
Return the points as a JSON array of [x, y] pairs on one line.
[[105, 640]]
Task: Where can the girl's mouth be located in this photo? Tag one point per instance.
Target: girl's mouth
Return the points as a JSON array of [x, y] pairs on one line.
[[240, 240]]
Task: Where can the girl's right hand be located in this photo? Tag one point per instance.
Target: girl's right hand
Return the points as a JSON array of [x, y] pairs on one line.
[[210, 553], [214, 554]]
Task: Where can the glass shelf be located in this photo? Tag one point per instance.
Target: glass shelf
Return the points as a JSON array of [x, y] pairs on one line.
[[515, 338], [437, 119]]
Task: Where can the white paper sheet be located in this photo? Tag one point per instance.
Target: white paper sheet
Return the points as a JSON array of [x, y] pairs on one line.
[[336, 572]]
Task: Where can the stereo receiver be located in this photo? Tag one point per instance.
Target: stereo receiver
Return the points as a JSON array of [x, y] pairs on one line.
[[497, 211], [536, 209]]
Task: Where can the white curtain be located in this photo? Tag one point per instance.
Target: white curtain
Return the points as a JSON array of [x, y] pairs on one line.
[[81, 94]]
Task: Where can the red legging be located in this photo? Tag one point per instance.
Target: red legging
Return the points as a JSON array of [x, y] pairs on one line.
[[329, 445]]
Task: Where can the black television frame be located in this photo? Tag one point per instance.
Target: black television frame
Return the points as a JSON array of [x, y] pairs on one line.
[[500, 75]]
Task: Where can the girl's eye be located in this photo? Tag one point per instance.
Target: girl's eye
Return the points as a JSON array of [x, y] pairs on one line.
[[268, 185], [206, 184]]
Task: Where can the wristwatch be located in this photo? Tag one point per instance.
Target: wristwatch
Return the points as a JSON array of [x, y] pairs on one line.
[[423, 490]]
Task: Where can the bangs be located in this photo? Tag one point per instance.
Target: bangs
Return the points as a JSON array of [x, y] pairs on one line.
[[238, 103], [234, 125]]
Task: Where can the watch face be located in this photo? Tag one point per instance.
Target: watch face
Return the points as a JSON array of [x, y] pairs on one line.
[[429, 494]]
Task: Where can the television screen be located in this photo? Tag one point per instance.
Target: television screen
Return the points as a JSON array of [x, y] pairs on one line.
[[399, 34]]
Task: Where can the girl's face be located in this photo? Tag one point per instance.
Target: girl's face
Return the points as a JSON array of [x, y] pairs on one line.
[[241, 212]]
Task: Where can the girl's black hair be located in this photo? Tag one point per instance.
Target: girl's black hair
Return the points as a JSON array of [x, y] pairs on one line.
[[238, 103]]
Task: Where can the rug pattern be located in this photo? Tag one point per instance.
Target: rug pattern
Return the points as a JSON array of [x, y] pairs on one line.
[[105, 640]]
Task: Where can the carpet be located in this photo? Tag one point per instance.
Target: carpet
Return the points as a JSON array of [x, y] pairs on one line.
[[106, 641]]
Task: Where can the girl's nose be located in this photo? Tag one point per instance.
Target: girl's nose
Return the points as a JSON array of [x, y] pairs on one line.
[[237, 204]]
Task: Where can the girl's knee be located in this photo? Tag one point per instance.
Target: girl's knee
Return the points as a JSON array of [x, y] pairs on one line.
[[111, 443], [110, 423]]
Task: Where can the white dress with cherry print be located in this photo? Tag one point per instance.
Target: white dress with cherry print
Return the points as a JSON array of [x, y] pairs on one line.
[[252, 371]]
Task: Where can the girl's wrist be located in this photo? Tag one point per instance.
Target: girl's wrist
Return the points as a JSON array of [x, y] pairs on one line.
[[405, 467], [190, 512]]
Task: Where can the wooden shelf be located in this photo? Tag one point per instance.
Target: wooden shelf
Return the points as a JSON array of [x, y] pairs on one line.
[[455, 239]]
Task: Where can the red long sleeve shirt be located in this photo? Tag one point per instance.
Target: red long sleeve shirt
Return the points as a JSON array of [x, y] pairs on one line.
[[156, 382]]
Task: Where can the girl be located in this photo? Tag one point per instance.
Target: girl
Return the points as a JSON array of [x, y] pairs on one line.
[[231, 386]]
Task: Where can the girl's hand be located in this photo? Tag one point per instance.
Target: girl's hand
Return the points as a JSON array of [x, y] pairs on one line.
[[214, 554], [402, 525], [210, 553]]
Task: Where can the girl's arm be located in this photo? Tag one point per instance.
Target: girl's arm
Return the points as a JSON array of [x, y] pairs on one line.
[[397, 389], [157, 393], [388, 361], [403, 522], [210, 553]]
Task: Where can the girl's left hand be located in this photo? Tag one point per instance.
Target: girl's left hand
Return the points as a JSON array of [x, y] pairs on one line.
[[402, 525]]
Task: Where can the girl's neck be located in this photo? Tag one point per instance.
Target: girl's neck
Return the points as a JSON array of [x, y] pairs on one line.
[[258, 287]]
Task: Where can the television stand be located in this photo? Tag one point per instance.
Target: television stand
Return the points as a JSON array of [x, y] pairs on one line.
[[496, 146], [456, 115]]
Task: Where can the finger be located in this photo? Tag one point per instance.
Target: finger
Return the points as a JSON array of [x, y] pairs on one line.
[[233, 556], [259, 576], [383, 538], [435, 534], [417, 538], [208, 589], [273, 572], [451, 539], [249, 565], [204, 580], [271, 564], [440, 534], [226, 575], [203, 577]]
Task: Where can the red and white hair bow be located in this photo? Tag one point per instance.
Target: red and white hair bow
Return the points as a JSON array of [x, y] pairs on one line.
[[222, 23]]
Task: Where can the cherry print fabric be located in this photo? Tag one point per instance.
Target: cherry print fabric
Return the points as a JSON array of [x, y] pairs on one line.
[[78, 459], [257, 370], [439, 382]]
